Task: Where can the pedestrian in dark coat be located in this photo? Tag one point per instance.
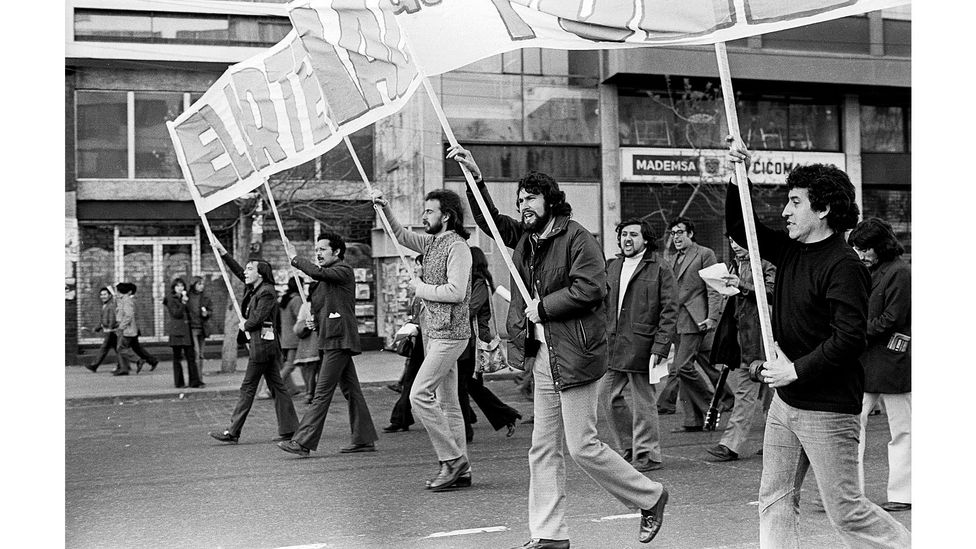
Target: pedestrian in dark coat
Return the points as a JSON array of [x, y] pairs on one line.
[[180, 338], [200, 307], [259, 331], [561, 334], [107, 326], [334, 307], [888, 359], [642, 308]]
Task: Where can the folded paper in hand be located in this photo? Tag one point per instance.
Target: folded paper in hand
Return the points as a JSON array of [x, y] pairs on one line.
[[334, 315], [658, 369], [408, 329], [715, 275]]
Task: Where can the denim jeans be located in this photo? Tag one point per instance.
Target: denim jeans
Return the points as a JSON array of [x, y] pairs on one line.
[[797, 440]]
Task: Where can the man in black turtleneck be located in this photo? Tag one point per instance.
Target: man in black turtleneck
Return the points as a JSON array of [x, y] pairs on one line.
[[819, 323]]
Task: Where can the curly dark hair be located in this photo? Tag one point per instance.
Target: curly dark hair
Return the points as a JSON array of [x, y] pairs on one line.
[[451, 205], [876, 233], [689, 226], [827, 186], [336, 242], [645, 228], [539, 183]]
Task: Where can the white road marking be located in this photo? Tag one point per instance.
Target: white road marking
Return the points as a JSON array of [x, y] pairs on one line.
[[616, 517], [484, 530]]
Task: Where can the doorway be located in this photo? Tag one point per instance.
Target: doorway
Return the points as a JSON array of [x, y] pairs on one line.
[[151, 263]]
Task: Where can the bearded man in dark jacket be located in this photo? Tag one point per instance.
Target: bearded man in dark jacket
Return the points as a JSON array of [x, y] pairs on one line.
[[561, 334]]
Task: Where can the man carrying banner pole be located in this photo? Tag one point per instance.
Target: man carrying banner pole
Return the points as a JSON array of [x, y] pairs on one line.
[[562, 335]]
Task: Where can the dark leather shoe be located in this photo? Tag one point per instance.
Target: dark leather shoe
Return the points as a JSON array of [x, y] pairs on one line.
[[393, 428], [463, 481], [450, 471], [545, 544], [91, 367], [665, 411], [628, 455], [355, 448], [395, 387], [152, 365], [293, 447], [121, 373], [722, 453], [224, 436], [200, 385], [895, 506], [283, 438], [138, 366], [649, 465], [688, 429], [651, 519]]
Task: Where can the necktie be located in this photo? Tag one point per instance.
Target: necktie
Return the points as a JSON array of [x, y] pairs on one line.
[[677, 262]]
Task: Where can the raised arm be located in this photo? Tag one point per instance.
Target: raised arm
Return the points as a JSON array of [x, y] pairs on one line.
[[234, 266], [410, 239], [338, 273], [772, 243], [510, 229]]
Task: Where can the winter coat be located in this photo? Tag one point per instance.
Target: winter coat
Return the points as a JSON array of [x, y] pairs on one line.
[[646, 320], [889, 311]]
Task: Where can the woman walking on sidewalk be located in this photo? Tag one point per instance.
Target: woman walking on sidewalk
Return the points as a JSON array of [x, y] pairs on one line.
[[180, 338], [260, 332]]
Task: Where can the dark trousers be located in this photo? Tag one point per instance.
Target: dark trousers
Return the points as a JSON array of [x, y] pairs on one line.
[[465, 373], [191, 366], [109, 343], [127, 352], [310, 373], [284, 408], [143, 354], [339, 370], [401, 414], [498, 413], [683, 377]]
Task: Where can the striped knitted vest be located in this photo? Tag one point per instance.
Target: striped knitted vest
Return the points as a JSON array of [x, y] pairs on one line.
[[441, 320]]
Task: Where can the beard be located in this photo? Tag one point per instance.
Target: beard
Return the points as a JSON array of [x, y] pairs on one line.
[[633, 251], [537, 223], [433, 227]]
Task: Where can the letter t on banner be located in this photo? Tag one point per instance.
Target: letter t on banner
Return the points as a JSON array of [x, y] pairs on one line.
[[203, 216]]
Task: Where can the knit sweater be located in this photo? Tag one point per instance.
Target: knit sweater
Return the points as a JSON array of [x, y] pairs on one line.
[[446, 283], [819, 313]]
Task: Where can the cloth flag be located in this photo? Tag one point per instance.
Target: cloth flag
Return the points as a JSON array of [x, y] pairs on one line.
[[336, 72], [448, 34]]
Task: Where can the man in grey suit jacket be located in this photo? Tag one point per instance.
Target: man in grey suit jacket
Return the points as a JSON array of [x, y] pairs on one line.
[[699, 308], [333, 299]]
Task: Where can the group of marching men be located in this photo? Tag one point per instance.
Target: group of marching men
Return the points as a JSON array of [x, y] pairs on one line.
[[589, 330]]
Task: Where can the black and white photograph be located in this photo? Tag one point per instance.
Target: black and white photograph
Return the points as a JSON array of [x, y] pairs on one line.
[[530, 274]]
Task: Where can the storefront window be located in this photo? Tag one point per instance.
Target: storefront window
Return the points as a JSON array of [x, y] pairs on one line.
[[102, 134], [814, 127], [763, 123], [96, 270], [155, 157], [895, 207], [882, 128]]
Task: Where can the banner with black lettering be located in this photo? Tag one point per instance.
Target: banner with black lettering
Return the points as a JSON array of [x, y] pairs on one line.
[[447, 34], [328, 78]]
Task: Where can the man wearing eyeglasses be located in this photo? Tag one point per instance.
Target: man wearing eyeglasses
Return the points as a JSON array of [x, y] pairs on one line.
[[699, 307]]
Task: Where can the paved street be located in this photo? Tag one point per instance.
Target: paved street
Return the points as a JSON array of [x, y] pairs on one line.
[[144, 473]]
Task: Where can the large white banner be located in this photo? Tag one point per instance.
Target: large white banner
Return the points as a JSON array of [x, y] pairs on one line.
[[336, 72], [447, 34]]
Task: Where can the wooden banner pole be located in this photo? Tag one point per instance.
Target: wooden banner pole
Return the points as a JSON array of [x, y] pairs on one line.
[[745, 200]]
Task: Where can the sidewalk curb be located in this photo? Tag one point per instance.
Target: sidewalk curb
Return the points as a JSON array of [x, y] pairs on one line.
[[216, 393]]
